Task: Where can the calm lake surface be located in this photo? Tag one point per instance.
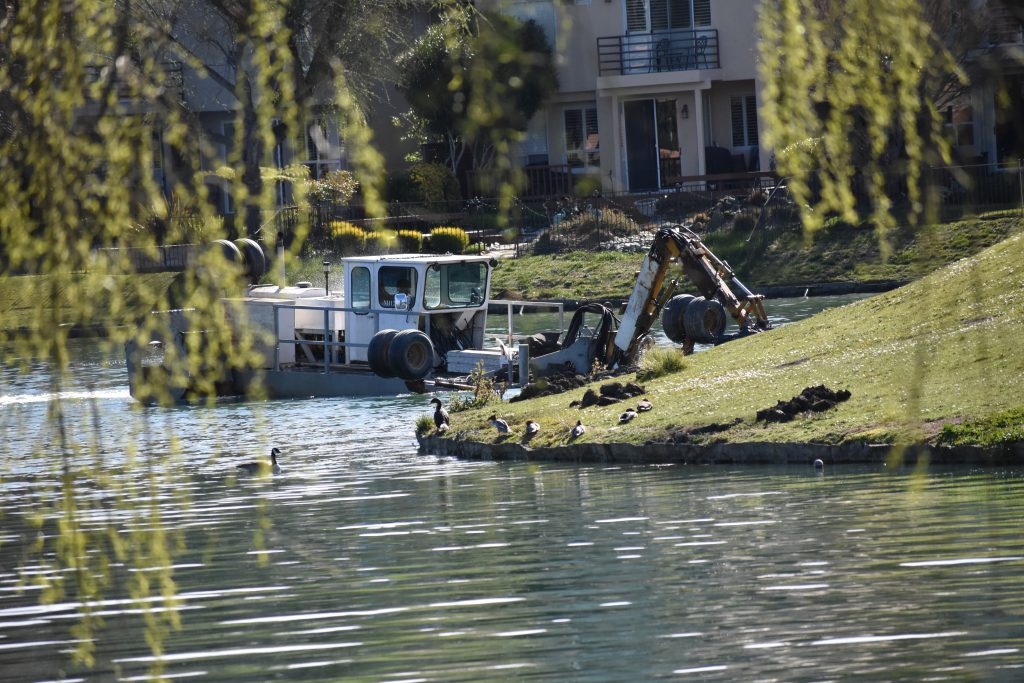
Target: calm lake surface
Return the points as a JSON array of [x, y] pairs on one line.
[[365, 561]]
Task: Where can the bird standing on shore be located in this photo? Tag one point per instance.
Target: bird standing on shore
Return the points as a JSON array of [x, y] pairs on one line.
[[578, 431], [532, 428], [627, 416], [498, 424], [441, 419], [644, 406], [257, 467]]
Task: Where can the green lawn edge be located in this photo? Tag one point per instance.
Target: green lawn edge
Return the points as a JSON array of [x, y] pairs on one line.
[[772, 256], [942, 353]]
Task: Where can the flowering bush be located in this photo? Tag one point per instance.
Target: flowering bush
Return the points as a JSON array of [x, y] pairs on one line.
[[336, 186]]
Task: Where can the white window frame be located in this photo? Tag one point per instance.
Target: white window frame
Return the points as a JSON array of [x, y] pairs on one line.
[[586, 156], [319, 160], [953, 128], [227, 129]]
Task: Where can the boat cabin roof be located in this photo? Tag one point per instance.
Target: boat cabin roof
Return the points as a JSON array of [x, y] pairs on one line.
[[414, 259]]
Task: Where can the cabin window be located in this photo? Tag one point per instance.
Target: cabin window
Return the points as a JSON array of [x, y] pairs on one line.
[[393, 280], [455, 285], [360, 289]]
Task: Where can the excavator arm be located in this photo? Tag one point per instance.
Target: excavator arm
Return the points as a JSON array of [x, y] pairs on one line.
[[712, 277]]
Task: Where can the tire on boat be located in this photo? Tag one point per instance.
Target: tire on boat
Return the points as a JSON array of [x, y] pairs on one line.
[[377, 353], [254, 259], [705, 320], [411, 355], [228, 250], [672, 317]]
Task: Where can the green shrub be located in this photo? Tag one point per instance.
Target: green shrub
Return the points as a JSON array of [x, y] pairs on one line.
[[348, 239], [485, 389], [380, 242], [444, 240], [424, 183], [587, 186], [410, 241], [660, 361], [744, 223]]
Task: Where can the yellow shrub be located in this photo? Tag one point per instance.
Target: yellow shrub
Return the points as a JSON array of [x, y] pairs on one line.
[[445, 239], [347, 238]]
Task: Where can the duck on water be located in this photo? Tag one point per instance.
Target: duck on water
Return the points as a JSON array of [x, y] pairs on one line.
[[257, 467]]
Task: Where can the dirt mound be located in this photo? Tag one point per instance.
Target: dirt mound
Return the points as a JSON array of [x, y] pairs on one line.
[[610, 394], [812, 399], [554, 383], [679, 435]]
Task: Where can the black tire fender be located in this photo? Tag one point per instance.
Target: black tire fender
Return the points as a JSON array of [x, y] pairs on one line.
[[672, 317], [705, 320], [228, 250], [378, 352], [253, 258], [411, 355]]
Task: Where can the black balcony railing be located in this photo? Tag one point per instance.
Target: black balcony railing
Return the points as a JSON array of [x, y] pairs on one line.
[[659, 51]]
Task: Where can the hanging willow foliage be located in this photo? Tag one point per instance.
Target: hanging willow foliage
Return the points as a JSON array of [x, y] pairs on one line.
[[85, 91], [846, 100]]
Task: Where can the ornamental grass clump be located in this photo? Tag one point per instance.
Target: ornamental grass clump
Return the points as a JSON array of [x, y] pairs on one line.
[[380, 242], [410, 241], [660, 361], [424, 423], [448, 240], [348, 239]]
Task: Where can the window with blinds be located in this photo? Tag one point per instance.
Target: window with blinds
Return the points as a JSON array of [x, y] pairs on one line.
[[702, 13], [665, 15], [582, 140], [744, 121], [636, 16]]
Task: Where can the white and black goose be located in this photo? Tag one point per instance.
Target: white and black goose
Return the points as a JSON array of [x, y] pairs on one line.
[[441, 419], [498, 424]]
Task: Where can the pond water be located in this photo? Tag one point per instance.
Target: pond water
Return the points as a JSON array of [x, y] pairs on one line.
[[366, 561]]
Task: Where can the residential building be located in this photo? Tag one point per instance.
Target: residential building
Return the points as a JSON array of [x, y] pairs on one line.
[[987, 125], [651, 91], [654, 91]]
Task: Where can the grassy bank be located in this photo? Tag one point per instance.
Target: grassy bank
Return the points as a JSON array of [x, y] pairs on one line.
[[941, 356], [21, 295], [774, 255]]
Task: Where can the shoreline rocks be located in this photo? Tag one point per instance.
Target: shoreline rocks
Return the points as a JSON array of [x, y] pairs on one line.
[[729, 453]]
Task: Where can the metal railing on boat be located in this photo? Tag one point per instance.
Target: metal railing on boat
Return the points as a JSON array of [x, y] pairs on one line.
[[330, 346]]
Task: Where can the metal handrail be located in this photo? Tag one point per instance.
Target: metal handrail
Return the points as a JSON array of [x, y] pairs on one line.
[[672, 50], [330, 346]]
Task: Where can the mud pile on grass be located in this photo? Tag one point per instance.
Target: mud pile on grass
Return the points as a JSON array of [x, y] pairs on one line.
[[812, 399], [610, 394]]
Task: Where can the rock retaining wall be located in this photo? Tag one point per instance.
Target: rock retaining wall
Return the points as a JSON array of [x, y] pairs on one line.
[[724, 453]]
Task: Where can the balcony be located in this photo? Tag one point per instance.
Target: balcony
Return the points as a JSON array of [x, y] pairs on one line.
[[657, 52]]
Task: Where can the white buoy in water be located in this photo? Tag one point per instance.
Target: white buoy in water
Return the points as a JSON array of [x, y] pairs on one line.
[[818, 464]]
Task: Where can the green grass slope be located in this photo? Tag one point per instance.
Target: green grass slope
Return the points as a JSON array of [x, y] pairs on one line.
[[944, 351], [775, 256]]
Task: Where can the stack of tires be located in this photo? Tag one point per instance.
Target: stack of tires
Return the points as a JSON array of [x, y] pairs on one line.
[[408, 354], [695, 318], [247, 253]]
